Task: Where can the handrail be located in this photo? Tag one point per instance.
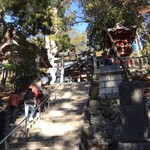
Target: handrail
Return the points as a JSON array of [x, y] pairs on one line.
[[8, 135], [15, 129]]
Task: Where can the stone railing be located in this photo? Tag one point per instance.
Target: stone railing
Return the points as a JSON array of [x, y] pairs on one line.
[[132, 63]]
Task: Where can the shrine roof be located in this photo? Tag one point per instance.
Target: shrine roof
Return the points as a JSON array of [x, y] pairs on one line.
[[120, 32], [118, 26]]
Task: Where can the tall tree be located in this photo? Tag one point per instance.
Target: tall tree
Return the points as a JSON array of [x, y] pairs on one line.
[[108, 13], [31, 18], [102, 15], [79, 40]]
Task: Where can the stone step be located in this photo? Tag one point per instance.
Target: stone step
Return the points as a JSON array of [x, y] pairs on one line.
[[35, 133], [10, 128], [18, 134], [21, 133], [42, 144], [37, 136], [16, 140], [59, 127], [46, 148]]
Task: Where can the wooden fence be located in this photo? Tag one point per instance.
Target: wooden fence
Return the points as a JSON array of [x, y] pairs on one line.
[[132, 63]]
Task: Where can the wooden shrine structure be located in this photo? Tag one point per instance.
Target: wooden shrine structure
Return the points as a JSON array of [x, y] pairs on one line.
[[123, 38]]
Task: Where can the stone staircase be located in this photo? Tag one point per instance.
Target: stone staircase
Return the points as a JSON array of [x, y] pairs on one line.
[[60, 126]]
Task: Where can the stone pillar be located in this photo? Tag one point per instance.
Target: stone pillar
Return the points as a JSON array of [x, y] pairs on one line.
[[108, 85], [52, 50], [133, 111], [62, 69], [109, 79]]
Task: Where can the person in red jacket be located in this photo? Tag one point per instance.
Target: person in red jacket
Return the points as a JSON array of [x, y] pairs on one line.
[[13, 101], [34, 90]]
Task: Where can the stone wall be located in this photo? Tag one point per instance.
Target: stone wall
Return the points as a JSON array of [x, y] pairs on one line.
[[105, 128], [102, 129], [108, 85], [106, 125]]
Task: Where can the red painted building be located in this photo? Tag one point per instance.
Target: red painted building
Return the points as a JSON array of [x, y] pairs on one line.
[[123, 38]]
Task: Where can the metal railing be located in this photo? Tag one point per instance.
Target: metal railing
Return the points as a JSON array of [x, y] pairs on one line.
[[4, 140]]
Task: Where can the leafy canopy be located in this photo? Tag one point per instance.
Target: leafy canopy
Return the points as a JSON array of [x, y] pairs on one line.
[[108, 13]]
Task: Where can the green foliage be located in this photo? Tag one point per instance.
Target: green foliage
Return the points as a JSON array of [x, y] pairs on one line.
[[63, 41], [79, 40], [108, 13], [46, 17], [146, 48], [21, 62], [35, 16], [34, 19]]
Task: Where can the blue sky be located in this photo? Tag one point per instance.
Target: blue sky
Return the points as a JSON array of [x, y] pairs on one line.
[[7, 18], [80, 26]]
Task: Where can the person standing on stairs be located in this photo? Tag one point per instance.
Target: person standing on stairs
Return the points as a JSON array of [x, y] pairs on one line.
[[37, 93], [58, 75], [29, 104], [13, 101]]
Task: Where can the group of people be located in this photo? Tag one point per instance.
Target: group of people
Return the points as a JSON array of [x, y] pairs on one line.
[[14, 102], [30, 99], [46, 78]]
